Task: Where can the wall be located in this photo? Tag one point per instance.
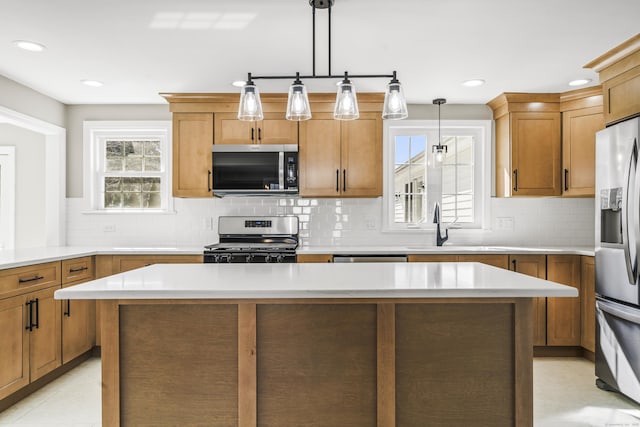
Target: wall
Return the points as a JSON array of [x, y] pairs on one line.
[[77, 114], [27, 101], [30, 184]]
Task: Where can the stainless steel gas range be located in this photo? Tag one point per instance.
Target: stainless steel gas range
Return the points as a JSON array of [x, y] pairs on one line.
[[251, 239]]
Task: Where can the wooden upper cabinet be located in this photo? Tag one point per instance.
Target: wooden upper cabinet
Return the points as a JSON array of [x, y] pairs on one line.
[[527, 144], [582, 117], [341, 159], [563, 314], [619, 71], [192, 141], [273, 129]]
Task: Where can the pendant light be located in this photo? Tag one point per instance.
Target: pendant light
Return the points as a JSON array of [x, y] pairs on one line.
[[439, 150], [346, 108], [250, 108], [298, 108], [346, 101], [395, 104]]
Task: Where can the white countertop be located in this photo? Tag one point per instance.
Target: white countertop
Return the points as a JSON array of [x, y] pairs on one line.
[[359, 280], [444, 250]]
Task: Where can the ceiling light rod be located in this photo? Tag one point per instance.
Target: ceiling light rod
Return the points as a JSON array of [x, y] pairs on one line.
[[394, 106]]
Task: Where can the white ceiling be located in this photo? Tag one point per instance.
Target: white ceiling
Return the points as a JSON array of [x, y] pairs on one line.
[[139, 48]]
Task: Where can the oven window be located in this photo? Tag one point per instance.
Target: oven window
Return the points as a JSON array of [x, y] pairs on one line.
[[245, 171]]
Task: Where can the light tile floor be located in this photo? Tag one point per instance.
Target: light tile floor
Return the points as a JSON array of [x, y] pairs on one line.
[[564, 396]]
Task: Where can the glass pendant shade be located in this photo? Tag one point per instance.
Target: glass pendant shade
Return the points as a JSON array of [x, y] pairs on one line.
[[395, 104], [438, 152], [298, 108], [250, 108], [346, 102]]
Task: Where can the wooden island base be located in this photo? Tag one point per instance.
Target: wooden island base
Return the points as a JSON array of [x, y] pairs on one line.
[[313, 362]]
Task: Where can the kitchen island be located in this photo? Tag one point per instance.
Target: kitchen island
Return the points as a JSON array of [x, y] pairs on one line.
[[317, 344]]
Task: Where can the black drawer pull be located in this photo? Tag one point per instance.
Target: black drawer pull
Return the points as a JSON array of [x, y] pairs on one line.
[[337, 180], [209, 181], [68, 312], [29, 327], [33, 279], [344, 180], [514, 264], [566, 180], [75, 270], [515, 180], [37, 325]]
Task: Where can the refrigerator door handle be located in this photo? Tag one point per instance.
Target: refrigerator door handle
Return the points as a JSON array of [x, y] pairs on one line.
[[636, 214], [627, 205], [620, 311]]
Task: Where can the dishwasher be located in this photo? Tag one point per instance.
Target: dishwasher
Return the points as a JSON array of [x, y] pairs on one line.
[[369, 258]]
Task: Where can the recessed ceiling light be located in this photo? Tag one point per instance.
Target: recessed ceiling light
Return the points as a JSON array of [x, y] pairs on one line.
[[30, 46], [579, 82], [92, 83], [239, 83], [473, 83]]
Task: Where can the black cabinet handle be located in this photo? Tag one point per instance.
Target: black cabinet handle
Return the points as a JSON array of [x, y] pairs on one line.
[[514, 264], [37, 325], [337, 180], [68, 312], [75, 270], [30, 280], [515, 180], [566, 180], [252, 133], [209, 181], [259, 134], [344, 180], [29, 304]]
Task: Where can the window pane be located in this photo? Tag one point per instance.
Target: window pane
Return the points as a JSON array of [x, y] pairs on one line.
[[401, 149], [133, 148], [133, 164], [408, 207], [450, 155], [152, 164], [465, 180], [114, 149], [418, 147], [131, 200], [151, 200], [112, 184], [448, 179], [112, 200], [150, 184], [114, 165], [132, 184], [465, 150], [152, 148]]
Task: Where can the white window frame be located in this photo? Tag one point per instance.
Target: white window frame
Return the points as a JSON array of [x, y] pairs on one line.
[[95, 135], [481, 129]]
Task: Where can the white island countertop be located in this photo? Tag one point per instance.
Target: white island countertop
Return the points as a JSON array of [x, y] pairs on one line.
[[358, 280]]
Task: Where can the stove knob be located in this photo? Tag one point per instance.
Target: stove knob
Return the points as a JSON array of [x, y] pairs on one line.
[[249, 258], [216, 259], [267, 258], [225, 258], [280, 258]]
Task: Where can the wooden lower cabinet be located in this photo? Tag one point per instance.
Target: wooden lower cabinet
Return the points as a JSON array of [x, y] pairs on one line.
[[563, 314], [14, 345], [78, 316], [122, 263], [45, 339], [432, 258], [500, 261], [316, 258], [536, 266], [588, 304]]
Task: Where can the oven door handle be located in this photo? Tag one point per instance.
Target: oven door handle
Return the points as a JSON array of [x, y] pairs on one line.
[[281, 170], [619, 311]]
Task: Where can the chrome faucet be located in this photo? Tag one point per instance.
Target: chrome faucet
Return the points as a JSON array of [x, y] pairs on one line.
[[440, 239]]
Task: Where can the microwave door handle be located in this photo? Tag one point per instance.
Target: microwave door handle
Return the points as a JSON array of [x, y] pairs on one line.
[[627, 205], [281, 170]]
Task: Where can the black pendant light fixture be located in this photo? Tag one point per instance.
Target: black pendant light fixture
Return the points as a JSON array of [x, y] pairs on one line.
[[298, 107], [439, 150]]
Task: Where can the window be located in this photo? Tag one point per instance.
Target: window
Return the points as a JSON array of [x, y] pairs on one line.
[[415, 182], [127, 167]]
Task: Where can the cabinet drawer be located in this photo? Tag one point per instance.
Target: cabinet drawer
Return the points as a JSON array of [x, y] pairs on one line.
[[15, 281], [77, 269]]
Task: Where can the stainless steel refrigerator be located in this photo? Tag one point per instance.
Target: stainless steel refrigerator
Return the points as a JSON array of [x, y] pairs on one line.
[[617, 248]]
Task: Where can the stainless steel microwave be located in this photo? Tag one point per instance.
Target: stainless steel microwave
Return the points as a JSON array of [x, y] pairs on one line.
[[266, 169]]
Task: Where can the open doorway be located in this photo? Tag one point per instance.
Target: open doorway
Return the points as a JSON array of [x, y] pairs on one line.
[[7, 197]]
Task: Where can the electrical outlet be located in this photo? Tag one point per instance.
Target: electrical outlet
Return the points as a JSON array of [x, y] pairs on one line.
[[109, 228], [504, 223], [370, 224]]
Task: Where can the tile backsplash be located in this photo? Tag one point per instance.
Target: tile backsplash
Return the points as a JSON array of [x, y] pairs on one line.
[[333, 222]]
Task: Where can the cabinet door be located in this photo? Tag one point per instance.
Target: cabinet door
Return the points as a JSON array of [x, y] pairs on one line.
[[579, 129], [500, 261], [315, 258], [230, 130], [319, 157], [46, 338], [536, 266], [122, 263], [432, 258], [535, 154], [361, 172], [622, 95], [78, 327], [588, 304], [275, 129], [192, 141], [563, 314], [14, 345]]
